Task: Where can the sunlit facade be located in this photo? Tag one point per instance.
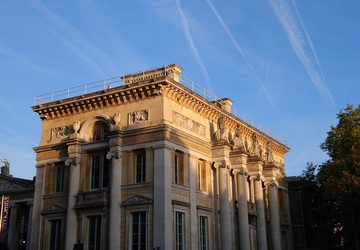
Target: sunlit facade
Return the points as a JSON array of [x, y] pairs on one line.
[[152, 164]]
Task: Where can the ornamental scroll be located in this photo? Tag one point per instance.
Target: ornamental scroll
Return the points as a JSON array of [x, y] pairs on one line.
[[189, 124]]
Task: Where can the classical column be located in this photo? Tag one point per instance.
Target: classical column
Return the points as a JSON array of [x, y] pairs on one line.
[[71, 219], [260, 209], [36, 218], [115, 199], [194, 232], [225, 219], [274, 216], [163, 230], [12, 226], [30, 204], [243, 213]]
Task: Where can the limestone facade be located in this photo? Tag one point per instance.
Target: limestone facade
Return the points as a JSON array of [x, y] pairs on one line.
[[151, 164]]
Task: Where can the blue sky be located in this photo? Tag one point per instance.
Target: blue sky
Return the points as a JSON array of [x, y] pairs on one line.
[[291, 65]]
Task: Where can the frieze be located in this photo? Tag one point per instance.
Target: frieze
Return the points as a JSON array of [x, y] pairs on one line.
[[189, 124], [138, 116], [60, 132]]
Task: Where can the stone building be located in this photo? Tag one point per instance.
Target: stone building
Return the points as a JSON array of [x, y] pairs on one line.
[[16, 210], [152, 164]]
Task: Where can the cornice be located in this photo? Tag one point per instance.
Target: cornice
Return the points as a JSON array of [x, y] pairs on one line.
[[105, 98]]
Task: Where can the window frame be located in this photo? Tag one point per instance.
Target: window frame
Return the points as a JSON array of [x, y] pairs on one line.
[[180, 237], [140, 166], [60, 179], [102, 171], [98, 231], [203, 245], [131, 238], [179, 176], [58, 234], [129, 210], [201, 176]]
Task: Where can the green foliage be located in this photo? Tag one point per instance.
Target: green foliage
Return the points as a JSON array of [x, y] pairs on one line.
[[336, 185]]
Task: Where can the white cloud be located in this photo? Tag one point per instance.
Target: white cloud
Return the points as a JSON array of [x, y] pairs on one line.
[[77, 42], [241, 51], [190, 40], [285, 16]]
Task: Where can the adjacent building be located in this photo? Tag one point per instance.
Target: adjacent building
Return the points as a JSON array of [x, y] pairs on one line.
[[154, 163], [16, 210]]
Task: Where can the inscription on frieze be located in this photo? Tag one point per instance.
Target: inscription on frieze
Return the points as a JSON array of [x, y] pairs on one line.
[[189, 124]]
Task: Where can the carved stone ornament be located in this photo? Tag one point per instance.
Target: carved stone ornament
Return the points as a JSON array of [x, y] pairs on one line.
[[138, 116], [220, 134], [60, 132], [7, 185], [136, 200], [53, 209], [76, 126], [238, 141], [117, 118], [189, 124]]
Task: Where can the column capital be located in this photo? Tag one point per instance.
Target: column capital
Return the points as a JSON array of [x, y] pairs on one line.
[[257, 177], [220, 164], [271, 183], [241, 170], [113, 155], [72, 161]]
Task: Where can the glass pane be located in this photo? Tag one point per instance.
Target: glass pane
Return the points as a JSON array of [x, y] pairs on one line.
[[94, 232], [55, 234], [138, 237]]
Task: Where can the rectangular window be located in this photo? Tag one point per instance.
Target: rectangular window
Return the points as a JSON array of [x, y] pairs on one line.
[[201, 176], [138, 233], [203, 234], [178, 170], [59, 179], [55, 234], [94, 232], [140, 166], [179, 231], [99, 172]]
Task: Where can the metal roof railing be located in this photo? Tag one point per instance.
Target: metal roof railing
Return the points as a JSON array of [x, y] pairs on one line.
[[78, 90]]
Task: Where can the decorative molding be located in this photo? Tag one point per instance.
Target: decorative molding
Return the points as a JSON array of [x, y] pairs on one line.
[[136, 200], [188, 123], [60, 132], [12, 186], [53, 209], [138, 116]]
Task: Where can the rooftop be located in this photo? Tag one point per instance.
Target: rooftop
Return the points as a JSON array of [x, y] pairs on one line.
[[120, 81]]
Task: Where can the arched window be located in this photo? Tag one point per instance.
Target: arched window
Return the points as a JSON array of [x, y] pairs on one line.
[[100, 132]]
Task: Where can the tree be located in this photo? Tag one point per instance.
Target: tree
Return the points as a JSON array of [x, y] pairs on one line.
[[338, 179]]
